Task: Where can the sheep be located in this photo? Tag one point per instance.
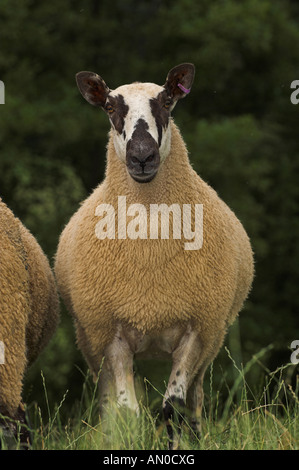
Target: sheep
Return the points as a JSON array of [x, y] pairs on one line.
[[137, 296], [29, 306]]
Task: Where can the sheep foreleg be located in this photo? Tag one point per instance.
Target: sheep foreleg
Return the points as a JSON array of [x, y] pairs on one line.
[[119, 363]]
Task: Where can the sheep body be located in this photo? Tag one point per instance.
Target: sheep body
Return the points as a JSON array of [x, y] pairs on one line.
[[153, 285], [28, 304], [149, 295]]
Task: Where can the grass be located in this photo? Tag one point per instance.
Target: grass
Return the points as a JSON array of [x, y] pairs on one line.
[[267, 419]]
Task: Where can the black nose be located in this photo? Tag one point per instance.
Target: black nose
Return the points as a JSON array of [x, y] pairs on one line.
[[143, 168], [141, 160], [142, 157]]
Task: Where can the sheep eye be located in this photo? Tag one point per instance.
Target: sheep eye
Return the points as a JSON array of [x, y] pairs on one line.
[[109, 109], [167, 104]]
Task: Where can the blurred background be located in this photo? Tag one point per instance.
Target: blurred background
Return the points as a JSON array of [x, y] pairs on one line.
[[239, 124]]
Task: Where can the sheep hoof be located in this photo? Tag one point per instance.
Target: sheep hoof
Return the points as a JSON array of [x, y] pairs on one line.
[[195, 435]]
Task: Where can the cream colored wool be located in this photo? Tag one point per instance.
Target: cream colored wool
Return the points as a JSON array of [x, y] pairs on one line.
[[29, 308], [153, 285]]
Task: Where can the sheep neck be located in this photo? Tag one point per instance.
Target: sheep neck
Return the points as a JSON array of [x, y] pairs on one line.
[[167, 186]]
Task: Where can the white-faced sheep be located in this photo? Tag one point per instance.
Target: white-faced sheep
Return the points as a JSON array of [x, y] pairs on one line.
[[29, 312], [132, 291]]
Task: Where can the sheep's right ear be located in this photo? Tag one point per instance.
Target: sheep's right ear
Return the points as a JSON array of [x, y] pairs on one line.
[[93, 88], [179, 81]]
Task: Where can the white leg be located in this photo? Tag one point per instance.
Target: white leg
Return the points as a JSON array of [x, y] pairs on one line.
[[119, 371]]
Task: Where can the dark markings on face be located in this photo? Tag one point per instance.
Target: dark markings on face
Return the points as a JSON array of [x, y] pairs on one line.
[[141, 129], [117, 110], [160, 108], [142, 155], [141, 142]]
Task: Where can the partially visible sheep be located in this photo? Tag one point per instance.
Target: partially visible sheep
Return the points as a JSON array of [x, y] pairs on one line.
[[150, 296], [29, 313]]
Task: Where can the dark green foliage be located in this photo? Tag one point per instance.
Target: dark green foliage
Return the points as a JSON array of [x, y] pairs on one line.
[[239, 125]]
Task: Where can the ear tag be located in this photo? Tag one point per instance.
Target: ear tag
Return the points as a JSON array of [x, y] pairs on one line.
[[185, 90]]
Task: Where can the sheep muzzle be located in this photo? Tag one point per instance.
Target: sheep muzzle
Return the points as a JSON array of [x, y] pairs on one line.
[[142, 155]]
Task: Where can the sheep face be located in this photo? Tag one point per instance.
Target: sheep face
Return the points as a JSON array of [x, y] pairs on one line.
[[138, 140], [139, 115]]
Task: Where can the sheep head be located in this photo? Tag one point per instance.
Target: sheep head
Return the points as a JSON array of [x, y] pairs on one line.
[[139, 114]]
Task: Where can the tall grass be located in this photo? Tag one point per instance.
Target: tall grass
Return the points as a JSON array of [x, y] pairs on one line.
[[262, 419]]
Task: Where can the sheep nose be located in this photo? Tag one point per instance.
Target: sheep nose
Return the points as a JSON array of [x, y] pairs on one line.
[[143, 166], [142, 154], [141, 160]]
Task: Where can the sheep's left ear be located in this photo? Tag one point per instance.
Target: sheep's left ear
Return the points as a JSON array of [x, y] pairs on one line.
[[179, 81]]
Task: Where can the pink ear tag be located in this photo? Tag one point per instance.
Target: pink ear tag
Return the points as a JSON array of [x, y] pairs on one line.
[[185, 90]]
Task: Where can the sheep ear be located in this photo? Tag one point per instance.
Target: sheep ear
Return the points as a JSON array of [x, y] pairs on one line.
[[179, 81], [93, 88]]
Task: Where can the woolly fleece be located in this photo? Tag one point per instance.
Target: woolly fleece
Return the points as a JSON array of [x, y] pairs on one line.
[[153, 284], [29, 308]]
